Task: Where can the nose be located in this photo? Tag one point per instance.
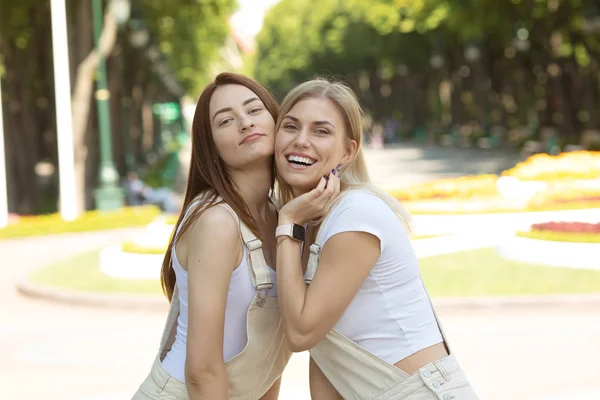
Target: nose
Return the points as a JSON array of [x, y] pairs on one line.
[[302, 139], [246, 123]]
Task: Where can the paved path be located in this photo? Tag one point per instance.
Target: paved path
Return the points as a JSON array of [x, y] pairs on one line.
[[404, 164], [58, 352]]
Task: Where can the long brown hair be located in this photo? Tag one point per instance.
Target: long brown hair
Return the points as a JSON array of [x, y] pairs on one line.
[[208, 175]]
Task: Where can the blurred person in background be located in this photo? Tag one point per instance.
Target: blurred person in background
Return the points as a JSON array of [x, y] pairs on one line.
[[138, 193], [365, 315], [223, 338]]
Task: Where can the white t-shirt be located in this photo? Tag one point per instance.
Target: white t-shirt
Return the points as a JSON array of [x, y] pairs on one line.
[[391, 315]]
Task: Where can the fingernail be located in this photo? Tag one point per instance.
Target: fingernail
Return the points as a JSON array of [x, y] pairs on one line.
[[338, 166], [326, 177], [333, 171]]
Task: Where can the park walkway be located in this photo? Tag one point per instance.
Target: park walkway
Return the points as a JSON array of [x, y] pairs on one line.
[[54, 351]]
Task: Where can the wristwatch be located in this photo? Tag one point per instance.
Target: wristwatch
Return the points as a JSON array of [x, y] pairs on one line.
[[294, 231]]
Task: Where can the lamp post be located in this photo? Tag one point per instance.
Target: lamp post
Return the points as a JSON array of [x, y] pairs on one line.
[[108, 195], [62, 82]]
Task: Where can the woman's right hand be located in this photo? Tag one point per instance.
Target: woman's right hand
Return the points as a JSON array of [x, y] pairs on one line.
[[312, 205]]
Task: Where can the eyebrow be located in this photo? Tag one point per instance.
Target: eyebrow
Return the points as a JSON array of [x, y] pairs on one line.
[[226, 109], [316, 122]]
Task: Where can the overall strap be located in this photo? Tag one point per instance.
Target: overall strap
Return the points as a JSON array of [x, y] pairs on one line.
[[437, 320], [315, 253], [170, 330], [259, 272]]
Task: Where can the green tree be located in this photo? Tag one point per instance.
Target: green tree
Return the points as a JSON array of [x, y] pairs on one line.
[[189, 35]]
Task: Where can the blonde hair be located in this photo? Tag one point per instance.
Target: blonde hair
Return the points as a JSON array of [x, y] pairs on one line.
[[354, 174]]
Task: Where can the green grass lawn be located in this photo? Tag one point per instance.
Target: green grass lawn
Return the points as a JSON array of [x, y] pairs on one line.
[[480, 272], [484, 272], [82, 273]]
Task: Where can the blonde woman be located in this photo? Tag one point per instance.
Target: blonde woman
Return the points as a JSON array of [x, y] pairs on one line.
[[223, 338], [366, 316]]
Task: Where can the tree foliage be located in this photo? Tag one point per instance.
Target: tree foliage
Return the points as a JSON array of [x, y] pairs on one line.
[[189, 34], [475, 56]]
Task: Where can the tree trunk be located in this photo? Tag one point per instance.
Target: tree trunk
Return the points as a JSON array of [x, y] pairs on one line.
[[82, 94]]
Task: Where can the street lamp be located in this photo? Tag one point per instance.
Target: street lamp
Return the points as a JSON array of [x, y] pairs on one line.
[[108, 195]]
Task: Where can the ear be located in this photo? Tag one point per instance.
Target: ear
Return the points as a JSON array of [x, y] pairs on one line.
[[350, 152]]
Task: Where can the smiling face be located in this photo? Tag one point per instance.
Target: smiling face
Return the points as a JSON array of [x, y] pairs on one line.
[[310, 142], [242, 128]]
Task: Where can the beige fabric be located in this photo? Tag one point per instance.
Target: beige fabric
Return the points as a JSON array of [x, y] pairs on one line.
[[262, 361], [358, 374], [159, 385]]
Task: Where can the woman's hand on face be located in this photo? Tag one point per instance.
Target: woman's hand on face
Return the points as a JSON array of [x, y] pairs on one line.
[[312, 205]]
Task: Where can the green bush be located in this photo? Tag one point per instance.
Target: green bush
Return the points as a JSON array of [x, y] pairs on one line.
[[89, 221]]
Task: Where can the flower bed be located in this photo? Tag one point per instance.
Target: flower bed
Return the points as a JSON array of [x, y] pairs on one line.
[[466, 187], [542, 182], [135, 248], [545, 167], [88, 221], [558, 243], [567, 227], [561, 237], [567, 192], [577, 232]]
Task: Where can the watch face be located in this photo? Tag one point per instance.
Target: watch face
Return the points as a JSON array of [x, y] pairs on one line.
[[298, 232]]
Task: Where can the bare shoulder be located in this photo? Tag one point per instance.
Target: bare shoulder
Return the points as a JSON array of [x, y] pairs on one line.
[[215, 224], [215, 229]]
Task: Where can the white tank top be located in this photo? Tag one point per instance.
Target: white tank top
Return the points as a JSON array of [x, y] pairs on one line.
[[391, 315], [239, 298]]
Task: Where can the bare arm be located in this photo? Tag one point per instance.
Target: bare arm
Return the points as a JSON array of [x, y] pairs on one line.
[[309, 313], [213, 248], [273, 392], [320, 387]]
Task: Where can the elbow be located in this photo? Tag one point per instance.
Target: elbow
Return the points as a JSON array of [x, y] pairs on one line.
[[199, 377], [298, 342]]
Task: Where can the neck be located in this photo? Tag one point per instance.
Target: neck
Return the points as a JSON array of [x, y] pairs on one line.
[[253, 184]]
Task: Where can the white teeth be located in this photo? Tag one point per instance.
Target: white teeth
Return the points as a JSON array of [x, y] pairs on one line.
[[303, 160]]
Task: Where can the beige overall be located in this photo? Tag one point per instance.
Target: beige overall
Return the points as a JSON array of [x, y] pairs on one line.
[[358, 374], [262, 361]]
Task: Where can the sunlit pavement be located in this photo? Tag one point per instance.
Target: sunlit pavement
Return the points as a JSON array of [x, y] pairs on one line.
[[59, 352]]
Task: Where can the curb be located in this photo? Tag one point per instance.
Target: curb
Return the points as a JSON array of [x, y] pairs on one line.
[[159, 303], [102, 300]]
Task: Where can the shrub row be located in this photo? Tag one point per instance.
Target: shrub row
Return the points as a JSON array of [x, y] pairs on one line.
[[88, 221]]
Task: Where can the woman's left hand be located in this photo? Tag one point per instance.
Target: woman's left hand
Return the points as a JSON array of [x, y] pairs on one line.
[[312, 205]]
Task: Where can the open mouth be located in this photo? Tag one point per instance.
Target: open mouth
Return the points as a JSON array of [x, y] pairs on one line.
[[300, 161]]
